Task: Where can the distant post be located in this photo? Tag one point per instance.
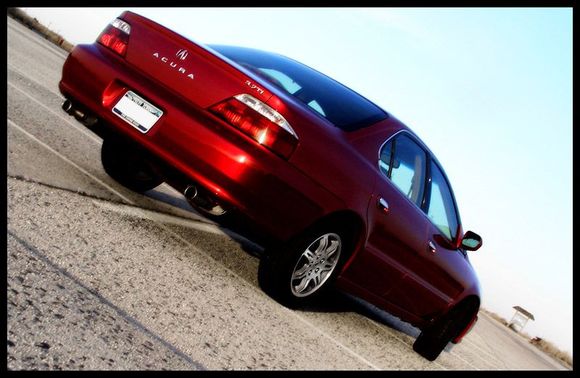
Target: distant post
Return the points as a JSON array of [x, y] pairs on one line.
[[520, 319]]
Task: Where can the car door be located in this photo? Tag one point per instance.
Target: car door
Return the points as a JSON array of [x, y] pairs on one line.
[[445, 266], [435, 274], [397, 226]]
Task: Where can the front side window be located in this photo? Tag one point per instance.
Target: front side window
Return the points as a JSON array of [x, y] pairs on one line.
[[404, 163], [441, 206]]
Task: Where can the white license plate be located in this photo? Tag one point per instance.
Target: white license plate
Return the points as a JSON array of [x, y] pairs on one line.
[[137, 112]]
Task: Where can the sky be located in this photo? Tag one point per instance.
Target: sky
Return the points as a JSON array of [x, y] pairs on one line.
[[488, 90]]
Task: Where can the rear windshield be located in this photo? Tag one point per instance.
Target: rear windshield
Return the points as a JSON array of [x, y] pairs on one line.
[[340, 105]]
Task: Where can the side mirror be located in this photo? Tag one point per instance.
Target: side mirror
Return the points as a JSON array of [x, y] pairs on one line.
[[471, 241]]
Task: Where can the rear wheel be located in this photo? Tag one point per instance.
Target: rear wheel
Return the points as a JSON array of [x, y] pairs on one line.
[[128, 166], [435, 338], [305, 268]]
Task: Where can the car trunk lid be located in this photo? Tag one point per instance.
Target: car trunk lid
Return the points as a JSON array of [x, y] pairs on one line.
[[184, 66]]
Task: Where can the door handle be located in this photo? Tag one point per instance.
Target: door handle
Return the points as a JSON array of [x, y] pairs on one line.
[[383, 205], [432, 247]]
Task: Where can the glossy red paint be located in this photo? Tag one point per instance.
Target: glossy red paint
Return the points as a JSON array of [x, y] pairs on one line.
[[329, 171]]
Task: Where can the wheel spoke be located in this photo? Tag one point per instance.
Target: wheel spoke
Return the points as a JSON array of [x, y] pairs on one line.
[[322, 245], [328, 265], [310, 256], [303, 285], [331, 249], [298, 274], [316, 278]]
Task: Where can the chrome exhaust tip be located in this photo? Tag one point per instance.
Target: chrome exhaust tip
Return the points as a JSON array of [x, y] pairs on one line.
[[80, 116], [202, 201], [67, 106], [190, 192]]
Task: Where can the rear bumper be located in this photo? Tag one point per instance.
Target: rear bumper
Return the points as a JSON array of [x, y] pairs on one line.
[[210, 153]]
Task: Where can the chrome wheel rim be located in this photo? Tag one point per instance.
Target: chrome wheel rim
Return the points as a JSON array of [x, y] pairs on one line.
[[315, 265]]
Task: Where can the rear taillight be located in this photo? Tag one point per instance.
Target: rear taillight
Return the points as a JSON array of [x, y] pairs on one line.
[[116, 36], [259, 121]]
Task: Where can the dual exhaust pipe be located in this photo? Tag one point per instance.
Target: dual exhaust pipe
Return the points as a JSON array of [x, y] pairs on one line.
[[196, 197], [80, 115], [202, 201]]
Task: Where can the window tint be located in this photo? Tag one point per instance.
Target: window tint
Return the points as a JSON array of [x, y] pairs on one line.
[[314, 105], [441, 207], [280, 79], [340, 105], [404, 162]]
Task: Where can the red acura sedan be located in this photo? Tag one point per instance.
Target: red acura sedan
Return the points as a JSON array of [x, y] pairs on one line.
[[350, 196]]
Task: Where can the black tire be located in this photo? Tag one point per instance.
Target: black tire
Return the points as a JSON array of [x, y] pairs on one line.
[[435, 338], [280, 262], [127, 165]]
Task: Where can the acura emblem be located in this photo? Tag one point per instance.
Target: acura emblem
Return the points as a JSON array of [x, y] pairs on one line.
[[181, 54]]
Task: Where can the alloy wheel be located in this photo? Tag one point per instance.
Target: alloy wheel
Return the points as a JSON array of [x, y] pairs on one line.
[[315, 265]]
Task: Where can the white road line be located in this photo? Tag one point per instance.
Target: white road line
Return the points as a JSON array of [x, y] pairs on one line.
[[138, 212], [401, 340], [13, 124], [472, 344], [75, 125], [464, 360], [347, 349], [491, 352], [338, 343], [63, 272], [200, 225], [28, 77], [196, 249]]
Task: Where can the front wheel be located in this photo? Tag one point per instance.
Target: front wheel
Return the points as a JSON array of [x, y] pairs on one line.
[[435, 338], [303, 269]]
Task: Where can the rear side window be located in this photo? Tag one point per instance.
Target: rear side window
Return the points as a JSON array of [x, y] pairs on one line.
[[404, 163], [280, 79], [328, 98]]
